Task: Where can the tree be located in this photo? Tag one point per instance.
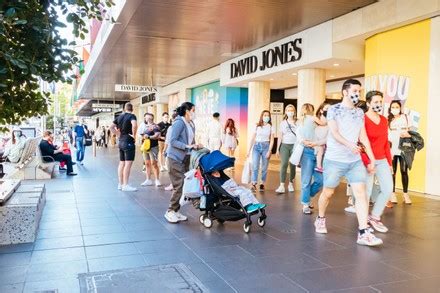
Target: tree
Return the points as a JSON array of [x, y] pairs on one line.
[[31, 47]]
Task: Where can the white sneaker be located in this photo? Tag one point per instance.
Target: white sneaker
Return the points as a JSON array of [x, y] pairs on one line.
[[393, 198], [406, 199], [377, 225], [291, 188], [171, 217], [163, 169], [181, 217], [307, 210], [350, 209], [119, 186], [169, 187], [128, 188], [368, 239], [158, 183], [281, 189], [147, 182], [320, 226]]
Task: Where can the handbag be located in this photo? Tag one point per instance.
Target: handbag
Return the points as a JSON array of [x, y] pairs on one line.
[[146, 145], [88, 141], [297, 152], [246, 175]]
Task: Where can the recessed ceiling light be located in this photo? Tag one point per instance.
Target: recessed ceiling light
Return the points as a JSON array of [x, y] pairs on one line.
[[335, 64], [332, 75], [271, 79], [294, 73]]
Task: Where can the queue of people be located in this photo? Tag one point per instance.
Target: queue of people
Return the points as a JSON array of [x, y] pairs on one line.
[[334, 141]]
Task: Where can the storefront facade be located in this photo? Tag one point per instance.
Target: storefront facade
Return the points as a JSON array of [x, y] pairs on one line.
[[389, 46]]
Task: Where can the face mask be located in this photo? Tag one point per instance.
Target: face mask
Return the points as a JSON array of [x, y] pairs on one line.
[[395, 112], [377, 108], [290, 114], [324, 113], [266, 119], [193, 115], [354, 98]]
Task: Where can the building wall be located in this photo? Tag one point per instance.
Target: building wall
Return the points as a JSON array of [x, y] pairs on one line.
[[229, 102], [397, 63]]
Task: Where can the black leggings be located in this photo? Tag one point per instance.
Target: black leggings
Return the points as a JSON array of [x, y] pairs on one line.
[[403, 172]]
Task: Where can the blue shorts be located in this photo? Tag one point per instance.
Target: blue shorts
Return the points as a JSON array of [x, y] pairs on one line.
[[354, 172]]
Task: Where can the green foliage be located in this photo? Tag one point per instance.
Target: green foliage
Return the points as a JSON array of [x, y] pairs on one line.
[[31, 48]]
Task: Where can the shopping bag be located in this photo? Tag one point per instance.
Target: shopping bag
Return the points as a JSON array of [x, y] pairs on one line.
[[146, 145], [298, 150], [191, 185], [246, 175]]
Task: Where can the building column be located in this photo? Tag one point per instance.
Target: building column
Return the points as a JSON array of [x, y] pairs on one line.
[[433, 119], [160, 109], [258, 100], [311, 87]]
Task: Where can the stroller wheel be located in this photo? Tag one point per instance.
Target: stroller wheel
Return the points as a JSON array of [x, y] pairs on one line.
[[207, 222], [246, 227], [201, 218], [261, 222]]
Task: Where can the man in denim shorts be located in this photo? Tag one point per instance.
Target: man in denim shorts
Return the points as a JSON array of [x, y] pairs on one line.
[[342, 159]]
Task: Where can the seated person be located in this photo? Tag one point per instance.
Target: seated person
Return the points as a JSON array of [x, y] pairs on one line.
[[49, 150], [15, 146], [245, 195]]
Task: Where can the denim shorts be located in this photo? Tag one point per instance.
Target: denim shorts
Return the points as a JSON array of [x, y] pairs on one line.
[[354, 172]]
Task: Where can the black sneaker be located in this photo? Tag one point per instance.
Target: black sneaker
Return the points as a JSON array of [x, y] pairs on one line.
[[71, 174], [261, 187]]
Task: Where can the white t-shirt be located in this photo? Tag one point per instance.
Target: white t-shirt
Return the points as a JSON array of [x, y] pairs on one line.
[[288, 130], [262, 133], [350, 122], [214, 130], [397, 126]]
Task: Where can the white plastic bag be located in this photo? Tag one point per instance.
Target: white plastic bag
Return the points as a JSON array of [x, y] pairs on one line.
[[191, 188], [247, 169], [298, 150], [191, 185]]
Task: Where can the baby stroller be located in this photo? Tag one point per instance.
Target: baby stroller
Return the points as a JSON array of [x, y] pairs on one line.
[[220, 205]]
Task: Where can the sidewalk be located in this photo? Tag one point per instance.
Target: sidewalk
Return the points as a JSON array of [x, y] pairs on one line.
[[89, 226]]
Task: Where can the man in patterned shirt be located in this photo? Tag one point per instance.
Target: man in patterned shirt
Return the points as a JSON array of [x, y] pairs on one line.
[[342, 159]]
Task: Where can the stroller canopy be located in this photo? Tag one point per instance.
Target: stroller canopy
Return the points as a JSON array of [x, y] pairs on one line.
[[216, 161]]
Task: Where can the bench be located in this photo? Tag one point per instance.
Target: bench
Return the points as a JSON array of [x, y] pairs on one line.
[[19, 170], [21, 209], [44, 168]]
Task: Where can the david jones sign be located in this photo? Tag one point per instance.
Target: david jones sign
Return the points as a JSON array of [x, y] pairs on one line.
[[279, 55]]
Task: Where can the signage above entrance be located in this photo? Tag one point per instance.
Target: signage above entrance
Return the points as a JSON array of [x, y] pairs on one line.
[[128, 88], [296, 51], [290, 51]]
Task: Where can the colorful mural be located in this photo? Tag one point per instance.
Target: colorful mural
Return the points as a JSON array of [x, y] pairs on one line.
[[229, 102]]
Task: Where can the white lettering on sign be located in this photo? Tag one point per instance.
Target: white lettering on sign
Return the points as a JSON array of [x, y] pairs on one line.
[[393, 86], [135, 88], [112, 106]]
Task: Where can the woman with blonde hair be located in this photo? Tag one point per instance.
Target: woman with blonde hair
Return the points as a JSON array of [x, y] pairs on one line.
[[311, 179], [286, 142]]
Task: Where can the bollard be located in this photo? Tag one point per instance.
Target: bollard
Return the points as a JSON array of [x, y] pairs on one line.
[[94, 147]]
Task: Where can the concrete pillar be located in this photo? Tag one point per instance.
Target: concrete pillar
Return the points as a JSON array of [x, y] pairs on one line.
[[160, 108], [433, 119], [258, 100], [311, 87]]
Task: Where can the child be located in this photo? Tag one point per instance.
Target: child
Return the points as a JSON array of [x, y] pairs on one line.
[[245, 195], [308, 128]]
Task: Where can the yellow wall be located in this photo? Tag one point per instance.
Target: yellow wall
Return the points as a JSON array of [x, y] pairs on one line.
[[404, 52]]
